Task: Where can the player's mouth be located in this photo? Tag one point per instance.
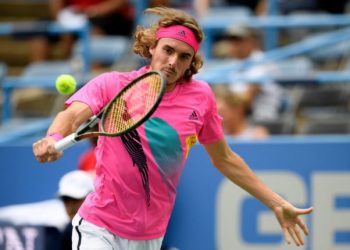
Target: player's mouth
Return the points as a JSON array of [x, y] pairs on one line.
[[169, 72]]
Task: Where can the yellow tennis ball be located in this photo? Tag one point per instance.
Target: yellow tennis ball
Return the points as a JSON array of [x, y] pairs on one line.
[[66, 84]]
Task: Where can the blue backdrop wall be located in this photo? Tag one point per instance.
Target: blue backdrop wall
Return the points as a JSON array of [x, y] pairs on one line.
[[23, 179], [210, 212]]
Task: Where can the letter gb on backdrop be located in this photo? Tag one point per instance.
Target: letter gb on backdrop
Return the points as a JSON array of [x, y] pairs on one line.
[[212, 213]]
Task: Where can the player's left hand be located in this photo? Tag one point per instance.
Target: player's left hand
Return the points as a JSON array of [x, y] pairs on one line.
[[44, 150], [289, 218]]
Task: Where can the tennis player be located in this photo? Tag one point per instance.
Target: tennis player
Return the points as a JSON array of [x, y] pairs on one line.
[[137, 173]]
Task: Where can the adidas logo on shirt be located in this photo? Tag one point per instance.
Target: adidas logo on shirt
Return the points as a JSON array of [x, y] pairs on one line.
[[193, 116], [181, 33]]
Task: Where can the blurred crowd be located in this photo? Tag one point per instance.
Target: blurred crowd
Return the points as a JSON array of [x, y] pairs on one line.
[[250, 111], [272, 105]]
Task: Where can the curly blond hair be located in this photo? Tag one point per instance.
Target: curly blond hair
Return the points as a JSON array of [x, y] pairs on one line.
[[145, 38]]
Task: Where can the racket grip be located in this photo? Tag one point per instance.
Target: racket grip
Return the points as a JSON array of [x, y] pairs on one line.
[[66, 142]]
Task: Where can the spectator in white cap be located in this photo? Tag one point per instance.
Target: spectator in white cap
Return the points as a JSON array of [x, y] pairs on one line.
[[72, 190], [73, 187]]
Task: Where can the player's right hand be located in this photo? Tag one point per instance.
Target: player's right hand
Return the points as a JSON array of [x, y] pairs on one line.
[[44, 150]]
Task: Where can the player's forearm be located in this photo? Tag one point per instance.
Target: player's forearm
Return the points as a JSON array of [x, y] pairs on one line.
[[67, 121], [64, 124], [238, 172]]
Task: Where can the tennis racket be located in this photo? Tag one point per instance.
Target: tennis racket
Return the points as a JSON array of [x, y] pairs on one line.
[[132, 106]]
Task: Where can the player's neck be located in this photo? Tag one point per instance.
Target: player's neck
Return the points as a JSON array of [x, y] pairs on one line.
[[170, 87]]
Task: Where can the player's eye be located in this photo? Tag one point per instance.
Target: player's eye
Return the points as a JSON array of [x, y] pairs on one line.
[[168, 51], [185, 57]]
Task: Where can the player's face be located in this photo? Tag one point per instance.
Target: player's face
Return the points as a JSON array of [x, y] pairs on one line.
[[172, 57]]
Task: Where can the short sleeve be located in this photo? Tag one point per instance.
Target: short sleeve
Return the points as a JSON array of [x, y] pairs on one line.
[[211, 130]]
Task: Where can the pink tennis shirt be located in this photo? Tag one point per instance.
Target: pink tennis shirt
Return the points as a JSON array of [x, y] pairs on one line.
[[137, 173]]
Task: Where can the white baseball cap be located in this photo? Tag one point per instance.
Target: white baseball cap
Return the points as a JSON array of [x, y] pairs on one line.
[[76, 184]]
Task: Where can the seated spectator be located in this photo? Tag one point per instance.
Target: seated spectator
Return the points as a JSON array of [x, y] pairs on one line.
[[107, 17], [55, 213], [265, 100], [73, 188], [234, 111]]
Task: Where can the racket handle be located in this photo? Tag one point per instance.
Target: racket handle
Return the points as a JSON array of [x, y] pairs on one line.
[[66, 142]]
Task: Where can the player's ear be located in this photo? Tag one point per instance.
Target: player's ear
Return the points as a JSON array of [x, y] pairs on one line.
[[151, 50]]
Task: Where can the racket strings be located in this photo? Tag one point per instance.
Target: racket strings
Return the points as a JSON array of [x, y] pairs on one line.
[[132, 105]]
